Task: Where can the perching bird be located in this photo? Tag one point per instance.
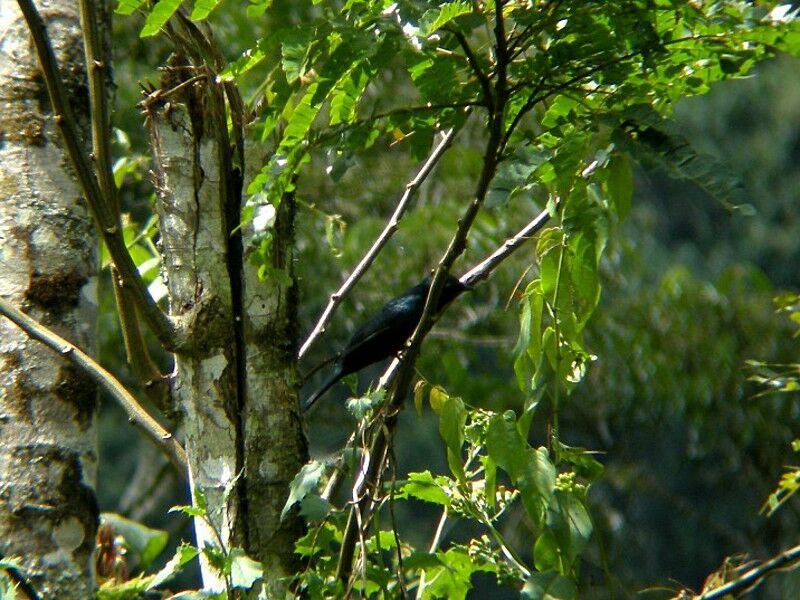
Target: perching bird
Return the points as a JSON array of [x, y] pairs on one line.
[[386, 332]]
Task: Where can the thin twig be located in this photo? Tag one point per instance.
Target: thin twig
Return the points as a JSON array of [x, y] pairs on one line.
[[135, 348], [411, 187], [164, 329], [136, 413], [486, 84], [753, 576], [399, 389]]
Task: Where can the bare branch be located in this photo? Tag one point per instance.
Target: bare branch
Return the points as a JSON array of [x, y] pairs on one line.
[[482, 270], [135, 348], [753, 576], [372, 468], [411, 188], [166, 332], [136, 413]]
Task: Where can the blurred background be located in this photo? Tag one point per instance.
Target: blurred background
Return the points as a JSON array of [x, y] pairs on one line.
[[691, 452]]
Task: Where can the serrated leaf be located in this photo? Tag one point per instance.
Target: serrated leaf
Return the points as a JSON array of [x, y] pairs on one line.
[[423, 486]]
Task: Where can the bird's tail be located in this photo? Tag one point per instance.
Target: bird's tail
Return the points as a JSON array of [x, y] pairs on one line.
[[329, 382]]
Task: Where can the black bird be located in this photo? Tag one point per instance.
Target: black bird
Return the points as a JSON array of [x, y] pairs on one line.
[[385, 333]]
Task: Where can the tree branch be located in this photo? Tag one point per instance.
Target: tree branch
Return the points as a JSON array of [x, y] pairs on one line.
[[482, 270], [136, 350], [164, 329], [486, 84], [372, 464], [753, 576], [136, 413], [411, 188]]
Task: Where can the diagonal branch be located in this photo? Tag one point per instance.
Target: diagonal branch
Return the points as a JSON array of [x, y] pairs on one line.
[[752, 577], [483, 78], [136, 413], [482, 270], [372, 467], [411, 188], [164, 329], [135, 348]]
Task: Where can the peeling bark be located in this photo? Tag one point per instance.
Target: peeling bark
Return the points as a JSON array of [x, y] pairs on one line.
[[194, 242], [48, 266], [235, 384]]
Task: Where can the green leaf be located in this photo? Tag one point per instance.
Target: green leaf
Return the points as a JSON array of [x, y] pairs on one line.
[[183, 554], [522, 367], [583, 262], [548, 249], [586, 466], [549, 586], [558, 113], [452, 580], [452, 420], [128, 7], [294, 51], [314, 508], [244, 570], [147, 543], [423, 486], [571, 525], [619, 184], [490, 471], [546, 555], [111, 590], [302, 118], [318, 540], [162, 12], [656, 143], [306, 481], [530, 470], [344, 99], [421, 560], [437, 18], [203, 8]]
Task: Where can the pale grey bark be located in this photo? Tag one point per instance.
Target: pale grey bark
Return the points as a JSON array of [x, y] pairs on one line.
[[194, 252], [235, 383], [274, 442], [48, 265]]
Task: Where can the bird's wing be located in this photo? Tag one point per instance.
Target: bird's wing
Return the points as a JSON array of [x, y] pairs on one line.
[[396, 319]]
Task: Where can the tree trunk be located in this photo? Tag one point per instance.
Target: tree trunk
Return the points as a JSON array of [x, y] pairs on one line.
[[48, 266], [234, 384]]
